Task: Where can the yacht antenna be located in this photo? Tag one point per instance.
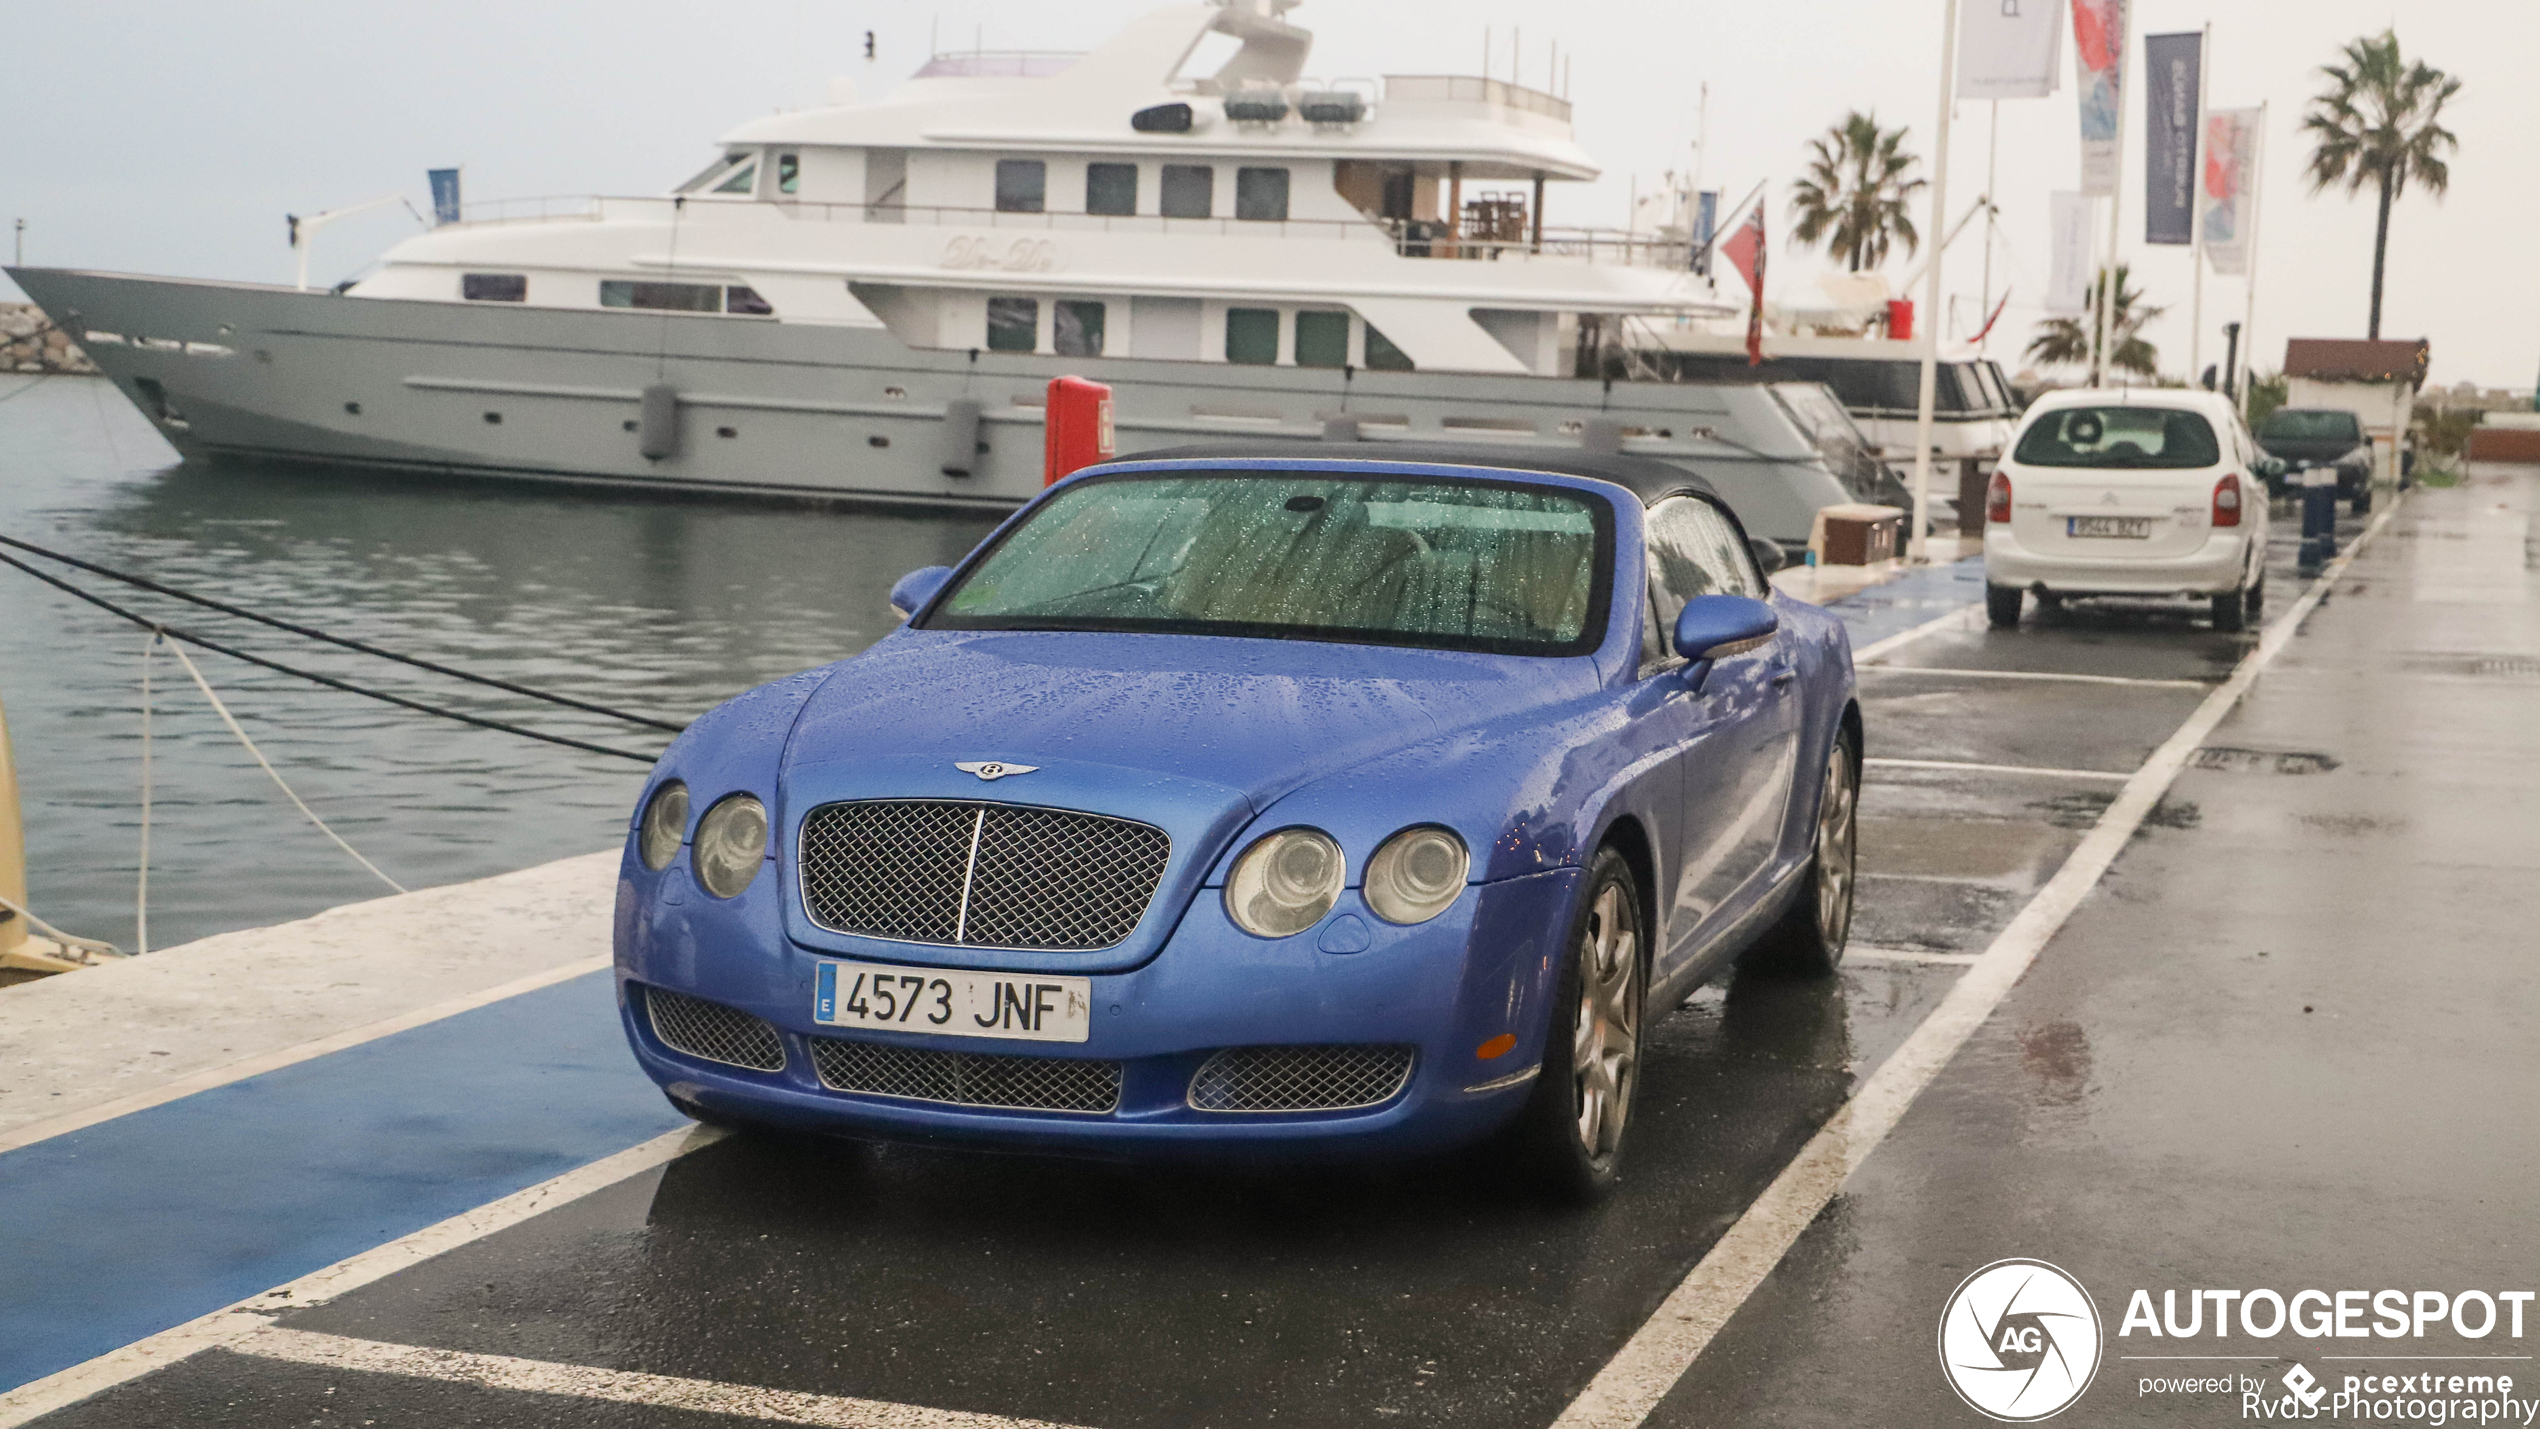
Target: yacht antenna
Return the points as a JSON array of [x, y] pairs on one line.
[[1486, 52]]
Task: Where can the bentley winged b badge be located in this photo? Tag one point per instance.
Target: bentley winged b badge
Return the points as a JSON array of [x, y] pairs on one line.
[[991, 769]]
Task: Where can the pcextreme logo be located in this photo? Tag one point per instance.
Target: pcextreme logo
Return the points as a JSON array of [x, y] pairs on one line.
[[2019, 1340]]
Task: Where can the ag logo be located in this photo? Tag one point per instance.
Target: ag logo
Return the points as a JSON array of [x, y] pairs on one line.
[[2019, 1340], [2305, 1385]]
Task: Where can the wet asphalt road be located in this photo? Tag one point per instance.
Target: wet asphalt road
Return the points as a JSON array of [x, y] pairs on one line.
[[2152, 1106]]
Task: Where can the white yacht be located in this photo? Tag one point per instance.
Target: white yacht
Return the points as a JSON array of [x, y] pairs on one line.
[[867, 300]]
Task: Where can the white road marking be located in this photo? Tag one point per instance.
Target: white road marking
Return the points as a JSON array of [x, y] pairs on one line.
[[1958, 674], [1639, 1375], [255, 1314], [1965, 768], [1878, 650], [778, 1406], [262, 1062], [1859, 954]]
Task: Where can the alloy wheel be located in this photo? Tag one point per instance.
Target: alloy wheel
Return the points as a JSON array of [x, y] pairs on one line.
[[1837, 834], [1605, 1043]]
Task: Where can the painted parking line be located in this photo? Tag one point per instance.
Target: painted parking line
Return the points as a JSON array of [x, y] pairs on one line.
[[1632, 1383], [777, 1406], [1878, 650], [1961, 767], [253, 1315], [1859, 954], [1956, 674]]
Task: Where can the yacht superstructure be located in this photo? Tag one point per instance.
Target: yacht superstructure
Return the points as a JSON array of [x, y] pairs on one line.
[[866, 299]]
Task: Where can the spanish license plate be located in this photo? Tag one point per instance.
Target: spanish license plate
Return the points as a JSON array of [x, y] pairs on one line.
[[2135, 528], [1030, 1007]]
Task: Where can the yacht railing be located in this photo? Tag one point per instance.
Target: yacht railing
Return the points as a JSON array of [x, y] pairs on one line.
[[1473, 89], [1409, 238]]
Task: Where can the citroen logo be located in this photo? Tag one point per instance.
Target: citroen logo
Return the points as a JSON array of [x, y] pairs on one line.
[[990, 769], [2108, 500]]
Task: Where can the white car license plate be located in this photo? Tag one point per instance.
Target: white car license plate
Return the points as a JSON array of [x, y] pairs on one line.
[[2137, 528], [1030, 1007]]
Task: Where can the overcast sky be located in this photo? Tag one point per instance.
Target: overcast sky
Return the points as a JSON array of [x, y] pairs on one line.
[[162, 137]]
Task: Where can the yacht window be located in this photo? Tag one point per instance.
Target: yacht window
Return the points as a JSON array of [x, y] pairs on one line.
[[1383, 356], [494, 287], [1014, 324], [747, 301], [1252, 336], [743, 180], [1188, 190], [1322, 339], [1021, 185], [666, 297], [1261, 195], [711, 172], [789, 173], [1111, 188], [1076, 328]]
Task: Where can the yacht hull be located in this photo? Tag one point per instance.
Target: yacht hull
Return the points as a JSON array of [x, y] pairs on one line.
[[832, 412]]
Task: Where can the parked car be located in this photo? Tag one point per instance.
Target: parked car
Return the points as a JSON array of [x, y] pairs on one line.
[[2140, 492], [2305, 437], [1257, 805]]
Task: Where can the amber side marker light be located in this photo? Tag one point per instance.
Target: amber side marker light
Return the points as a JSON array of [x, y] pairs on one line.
[[1499, 1046]]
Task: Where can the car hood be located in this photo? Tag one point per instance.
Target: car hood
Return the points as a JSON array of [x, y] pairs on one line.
[[1196, 735], [1255, 717]]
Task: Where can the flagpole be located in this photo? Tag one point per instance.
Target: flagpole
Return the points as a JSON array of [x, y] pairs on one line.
[[2196, 211], [1919, 548], [1992, 165], [2249, 318]]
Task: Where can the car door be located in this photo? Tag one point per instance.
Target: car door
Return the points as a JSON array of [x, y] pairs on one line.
[[1738, 766]]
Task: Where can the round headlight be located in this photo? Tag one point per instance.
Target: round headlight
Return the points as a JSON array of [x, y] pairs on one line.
[[731, 843], [665, 824], [1416, 874], [1285, 883]]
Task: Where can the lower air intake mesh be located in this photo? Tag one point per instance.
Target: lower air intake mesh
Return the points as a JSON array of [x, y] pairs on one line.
[[1300, 1078], [967, 1078], [714, 1032]]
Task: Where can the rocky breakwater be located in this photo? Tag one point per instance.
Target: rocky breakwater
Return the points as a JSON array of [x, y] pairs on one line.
[[30, 343]]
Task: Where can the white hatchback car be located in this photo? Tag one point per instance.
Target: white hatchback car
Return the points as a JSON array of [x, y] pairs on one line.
[[2144, 492]]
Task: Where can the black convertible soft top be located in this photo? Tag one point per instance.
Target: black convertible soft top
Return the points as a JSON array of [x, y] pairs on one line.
[[1645, 477]]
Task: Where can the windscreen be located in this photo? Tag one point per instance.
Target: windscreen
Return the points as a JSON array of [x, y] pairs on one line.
[[2119, 437], [2311, 427], [1302, 555]]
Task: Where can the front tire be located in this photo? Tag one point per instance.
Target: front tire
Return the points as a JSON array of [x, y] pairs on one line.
[[1572, 1127], [1809, 939], [2002, 605]]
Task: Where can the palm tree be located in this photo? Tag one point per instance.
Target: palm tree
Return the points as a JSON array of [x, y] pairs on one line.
[[1854, 197], [2377, 123], [2066, 341]]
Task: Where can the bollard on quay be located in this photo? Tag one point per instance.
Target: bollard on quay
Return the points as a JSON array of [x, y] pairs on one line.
[[2319, 517]]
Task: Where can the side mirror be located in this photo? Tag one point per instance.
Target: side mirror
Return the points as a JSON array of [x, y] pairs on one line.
[[1768, 553], [1714, 627], [913, 590], [2271, 468]]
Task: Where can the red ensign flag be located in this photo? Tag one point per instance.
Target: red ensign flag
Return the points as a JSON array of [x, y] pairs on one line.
[[1746, 249]]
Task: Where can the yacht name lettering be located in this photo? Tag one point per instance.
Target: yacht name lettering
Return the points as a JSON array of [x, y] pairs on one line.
[[1023, 255]]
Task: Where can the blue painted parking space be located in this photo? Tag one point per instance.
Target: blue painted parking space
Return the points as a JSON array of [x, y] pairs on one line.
[[129, 1227]]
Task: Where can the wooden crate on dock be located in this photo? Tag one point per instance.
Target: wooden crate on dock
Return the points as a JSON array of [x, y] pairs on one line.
[[1857, 534]]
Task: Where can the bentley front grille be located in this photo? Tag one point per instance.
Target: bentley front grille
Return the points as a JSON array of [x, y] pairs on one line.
[[713, 1031], [967, 1078], [1300, 1078], [979, 875]]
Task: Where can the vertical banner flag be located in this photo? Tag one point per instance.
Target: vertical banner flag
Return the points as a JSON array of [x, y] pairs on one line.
[[445, 194], [2170, 120], [1706, 222], [2008, 49], [2231, 167], [2068, 255], [2099, 35], [1745, 249]]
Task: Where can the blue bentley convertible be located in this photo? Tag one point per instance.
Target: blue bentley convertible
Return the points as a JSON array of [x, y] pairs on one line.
[[1235, 803]]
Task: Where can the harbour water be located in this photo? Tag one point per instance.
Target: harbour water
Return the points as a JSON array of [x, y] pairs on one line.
[[659, 606]]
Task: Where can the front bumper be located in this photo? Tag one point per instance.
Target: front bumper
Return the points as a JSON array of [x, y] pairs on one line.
[[1482, 969], [2216, 566]]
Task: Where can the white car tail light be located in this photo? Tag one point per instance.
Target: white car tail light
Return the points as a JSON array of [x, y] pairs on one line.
[[2227, 501], [1997, 497]]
